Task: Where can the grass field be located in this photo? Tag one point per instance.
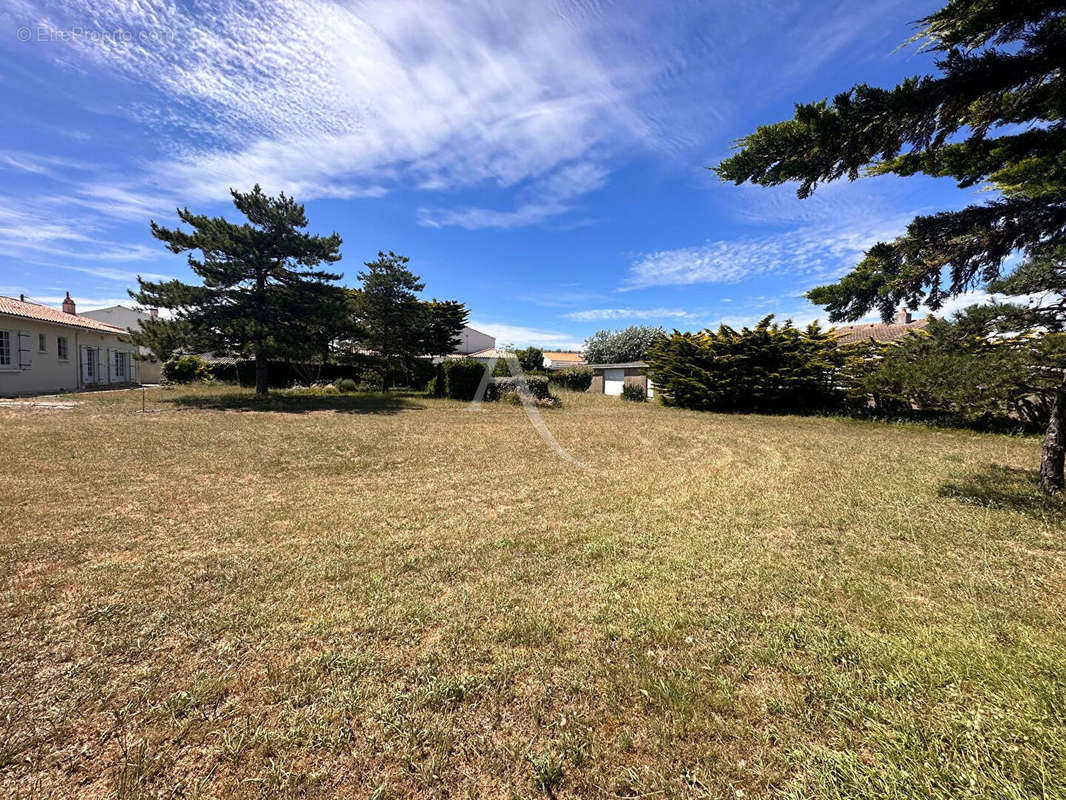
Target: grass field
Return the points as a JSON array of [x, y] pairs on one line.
[[357, 596]]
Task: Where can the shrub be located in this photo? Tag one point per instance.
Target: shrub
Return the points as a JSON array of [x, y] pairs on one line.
[[186, 369], [634, 392], [770, 368], [370, 381], [438, 384], [576, 379], [538, 387], [462, 377], [347, 385]]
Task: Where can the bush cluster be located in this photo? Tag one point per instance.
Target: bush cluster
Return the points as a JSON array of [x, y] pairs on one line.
[[538, 387], [770, 368], [576, 379], [186, 369], [462, 376], [634, 392]]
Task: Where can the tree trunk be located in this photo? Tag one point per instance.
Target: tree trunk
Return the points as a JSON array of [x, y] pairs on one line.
[[260, 372], [1053, 451]]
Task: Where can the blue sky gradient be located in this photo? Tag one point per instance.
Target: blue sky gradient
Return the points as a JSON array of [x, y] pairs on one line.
[[544, 163]]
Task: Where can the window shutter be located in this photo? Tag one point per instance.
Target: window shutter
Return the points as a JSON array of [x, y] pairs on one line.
[[25, 353]]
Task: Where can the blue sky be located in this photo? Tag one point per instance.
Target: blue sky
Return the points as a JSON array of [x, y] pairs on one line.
[[544, 163]]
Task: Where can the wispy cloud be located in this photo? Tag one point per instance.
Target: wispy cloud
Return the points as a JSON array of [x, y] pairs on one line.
[[124, 276], [819, 252], [336, 100], [546, 198], [605, 314]]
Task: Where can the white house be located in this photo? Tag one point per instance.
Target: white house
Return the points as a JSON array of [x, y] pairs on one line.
[[44, 350], [473, 341], [130, 319]]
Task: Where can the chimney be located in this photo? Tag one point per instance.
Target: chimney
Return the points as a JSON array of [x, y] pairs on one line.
[[68, 305], [903, 317], [22, 298], [154, 312]]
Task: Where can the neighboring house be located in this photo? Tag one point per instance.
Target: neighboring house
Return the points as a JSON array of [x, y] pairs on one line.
[[555, 360], [130, 319], [484, 356], [472, 341], [610, 378], [44, 350], [881, 331]]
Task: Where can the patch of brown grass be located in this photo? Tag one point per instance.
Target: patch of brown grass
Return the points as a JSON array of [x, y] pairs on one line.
[[405, 598]]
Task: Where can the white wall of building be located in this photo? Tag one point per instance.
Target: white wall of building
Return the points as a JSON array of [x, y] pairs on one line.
[[129, 319], [33, 370], [472, 341]]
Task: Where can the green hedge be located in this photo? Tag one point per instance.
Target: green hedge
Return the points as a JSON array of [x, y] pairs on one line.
[[576, 379], [186, 369], [462, 376]]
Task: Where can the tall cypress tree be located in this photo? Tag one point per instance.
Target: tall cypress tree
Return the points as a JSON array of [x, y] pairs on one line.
[[994, 116], [263, 295]]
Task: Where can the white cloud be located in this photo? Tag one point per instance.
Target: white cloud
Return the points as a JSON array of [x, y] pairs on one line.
[[324, 99], [816, 252], [549, 197], [124, 276], [522, 336], [603, 314]]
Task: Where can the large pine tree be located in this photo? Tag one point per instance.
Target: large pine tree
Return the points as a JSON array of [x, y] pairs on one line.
[[994, 116], [263, 294]]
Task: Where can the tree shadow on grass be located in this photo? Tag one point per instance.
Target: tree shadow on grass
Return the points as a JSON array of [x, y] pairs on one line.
[[292, 403], [1007, 488]]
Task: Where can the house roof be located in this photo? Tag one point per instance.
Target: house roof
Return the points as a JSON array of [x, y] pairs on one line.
[[11, 307], [621, 365], [878, 331], [561, 356]]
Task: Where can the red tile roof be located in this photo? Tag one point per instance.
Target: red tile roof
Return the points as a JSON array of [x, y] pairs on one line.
[[878, 331], [561, 356], [35, 311]]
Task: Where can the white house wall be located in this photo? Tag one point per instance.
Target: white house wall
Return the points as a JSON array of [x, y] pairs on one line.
[[47, 373], [129, 319], [472, 341]]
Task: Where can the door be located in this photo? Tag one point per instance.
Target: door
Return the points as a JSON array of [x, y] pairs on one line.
[[613, 380], [89, 367]]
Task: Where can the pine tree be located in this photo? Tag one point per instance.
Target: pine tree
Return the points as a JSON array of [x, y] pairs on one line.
[[995, 116], [389, 312], [263, 295], [444, 320]]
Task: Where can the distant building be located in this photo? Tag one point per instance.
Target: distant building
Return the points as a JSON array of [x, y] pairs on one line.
[[44, 350], [881, 331], [557, 359], [610, 378], [473, 341], [130, 319]]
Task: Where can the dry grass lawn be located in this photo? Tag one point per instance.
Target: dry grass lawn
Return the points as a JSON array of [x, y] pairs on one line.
[[354, 596]]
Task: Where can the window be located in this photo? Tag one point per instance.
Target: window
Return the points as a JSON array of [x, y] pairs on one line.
[[90, 363], [61, 348], [120, 364], [5, 348], [42, 342]]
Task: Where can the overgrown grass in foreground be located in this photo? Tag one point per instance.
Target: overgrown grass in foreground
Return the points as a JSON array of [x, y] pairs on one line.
[[213, 600]]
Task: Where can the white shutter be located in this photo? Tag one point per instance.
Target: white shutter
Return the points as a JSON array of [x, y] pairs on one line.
[[25, 352]]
